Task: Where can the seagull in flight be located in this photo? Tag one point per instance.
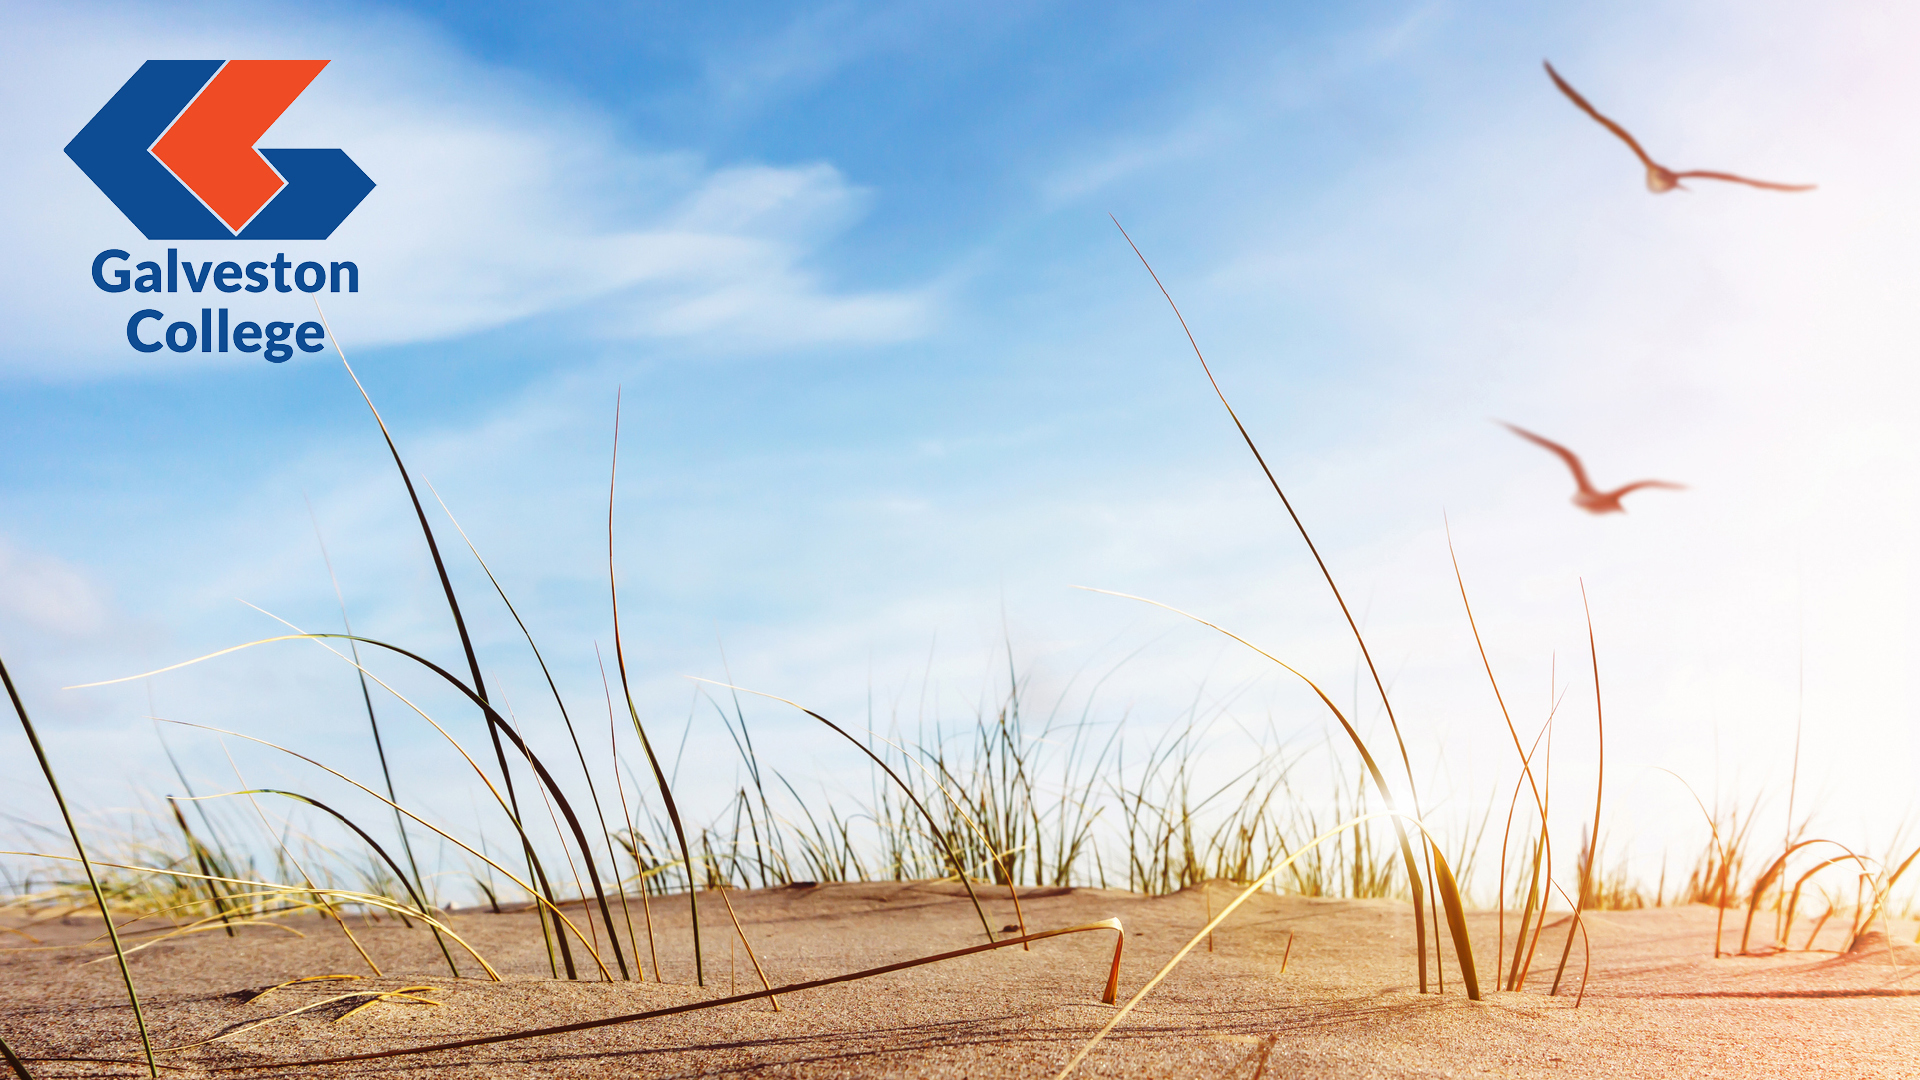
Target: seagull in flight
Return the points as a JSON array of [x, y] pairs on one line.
[[1660, 178], [1588, 498]]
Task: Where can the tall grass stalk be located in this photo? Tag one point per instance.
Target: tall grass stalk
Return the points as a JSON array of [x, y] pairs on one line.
[[93, 880], [1544, 847], [571, 733], [1413, 870], [1449, 891], [479, 688], [1599, 787], [626, 690], [626, 815]]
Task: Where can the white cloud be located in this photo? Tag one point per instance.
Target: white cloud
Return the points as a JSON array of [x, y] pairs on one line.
[[497, 201], [44, 595]]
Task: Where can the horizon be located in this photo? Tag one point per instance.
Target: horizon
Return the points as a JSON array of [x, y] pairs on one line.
[[894, 385]]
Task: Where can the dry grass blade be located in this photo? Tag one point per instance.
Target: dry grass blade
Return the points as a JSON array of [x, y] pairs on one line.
[[343, 895], [546, 901], [1599, 786], [405, 993], [1867, 875], [1247, 893], [1886, 889], [297, 982], [1526, 763], [1775, 871], [1109, 994], [1266, 1051], [46, 767], [371, 995], [593, 792], [742, 934]]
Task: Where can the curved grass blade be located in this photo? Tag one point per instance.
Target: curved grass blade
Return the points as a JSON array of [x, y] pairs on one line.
[[1776, 871], [1455, 911], [1526, 764], [539, 769], [953, 857], [479, 688], [46, 767], [373, 721], [619, 956], [1420, 926], [1599, 788], [1892, 880], [418, 901], [660, 777]]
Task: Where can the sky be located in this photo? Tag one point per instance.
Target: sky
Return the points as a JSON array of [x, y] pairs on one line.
[[891, 384]]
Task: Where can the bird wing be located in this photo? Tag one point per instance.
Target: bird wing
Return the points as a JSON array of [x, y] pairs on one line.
[[1638, 484], [1705, 174], [1574, 96], [1566, 455]]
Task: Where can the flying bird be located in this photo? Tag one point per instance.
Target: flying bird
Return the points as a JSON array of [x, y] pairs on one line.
[[1588, 498], [1661, 179]]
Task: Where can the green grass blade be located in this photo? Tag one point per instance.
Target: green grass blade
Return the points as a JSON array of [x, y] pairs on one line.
[[13, 1059], [113, 933], [660, 777]]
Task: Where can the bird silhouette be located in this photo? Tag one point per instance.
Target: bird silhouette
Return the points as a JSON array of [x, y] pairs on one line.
[[1589, 498], [1661, 179]]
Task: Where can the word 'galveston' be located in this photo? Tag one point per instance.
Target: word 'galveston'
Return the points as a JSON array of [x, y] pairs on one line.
[[215, 331]]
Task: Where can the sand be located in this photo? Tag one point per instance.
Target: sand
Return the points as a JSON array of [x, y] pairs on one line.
[[1657, 1004]]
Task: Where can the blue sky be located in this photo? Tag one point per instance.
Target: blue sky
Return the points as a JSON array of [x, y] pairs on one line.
[[893, 383]]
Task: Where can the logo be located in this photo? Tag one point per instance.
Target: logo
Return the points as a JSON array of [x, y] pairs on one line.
[[174, 151]]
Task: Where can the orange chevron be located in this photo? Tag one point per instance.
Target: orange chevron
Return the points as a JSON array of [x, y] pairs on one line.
[[210, 146]]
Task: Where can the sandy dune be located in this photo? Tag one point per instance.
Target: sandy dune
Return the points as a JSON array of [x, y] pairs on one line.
[[1657, 1004]]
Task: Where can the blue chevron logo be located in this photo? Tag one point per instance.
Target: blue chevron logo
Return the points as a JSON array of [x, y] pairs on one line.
[[173, 149]]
